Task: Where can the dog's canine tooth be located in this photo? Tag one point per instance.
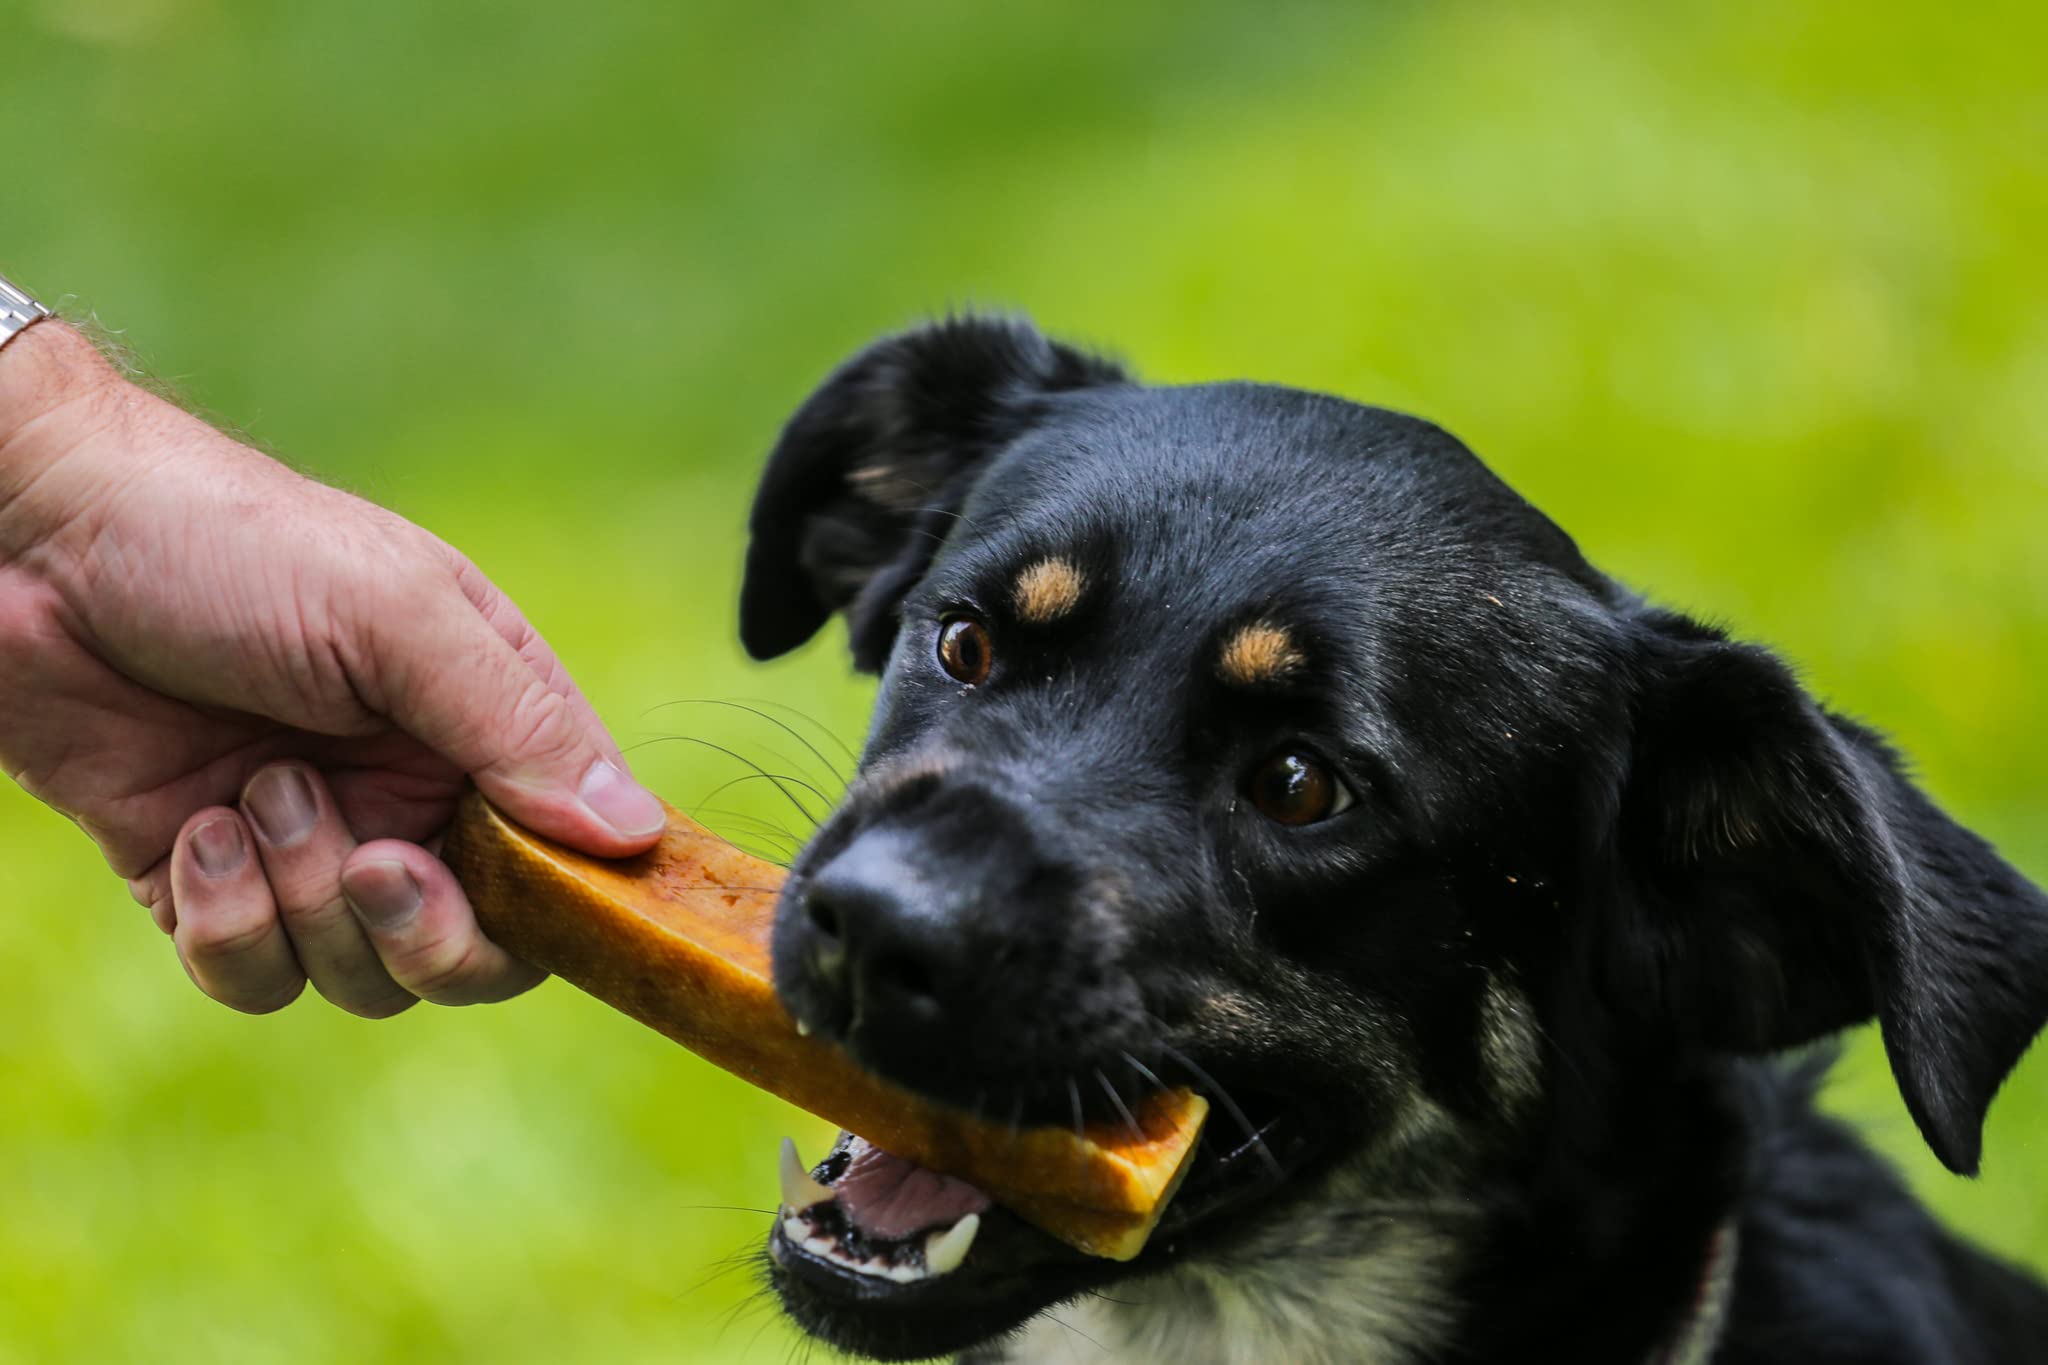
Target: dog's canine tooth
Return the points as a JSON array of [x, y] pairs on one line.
[[944, 1251], [799, 1191]]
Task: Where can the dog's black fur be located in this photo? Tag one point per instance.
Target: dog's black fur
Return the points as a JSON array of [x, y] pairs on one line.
[[1501, 1023]]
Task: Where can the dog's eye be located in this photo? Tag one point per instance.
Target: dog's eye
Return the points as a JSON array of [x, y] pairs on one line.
[[1297, 789], [964, 650]]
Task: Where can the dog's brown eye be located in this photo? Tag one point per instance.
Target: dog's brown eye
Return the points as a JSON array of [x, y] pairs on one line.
[[1296, 789], [964, 650]]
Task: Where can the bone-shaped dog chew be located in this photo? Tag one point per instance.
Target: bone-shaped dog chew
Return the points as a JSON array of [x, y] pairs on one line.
[[678, 938]]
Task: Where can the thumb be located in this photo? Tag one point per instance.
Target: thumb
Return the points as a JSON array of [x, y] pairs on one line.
[[539, 753]]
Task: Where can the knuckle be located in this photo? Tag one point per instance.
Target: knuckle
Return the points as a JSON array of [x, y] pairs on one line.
[[538, 726], [311, 913], [154, 895], [445, 972], [218, 938]]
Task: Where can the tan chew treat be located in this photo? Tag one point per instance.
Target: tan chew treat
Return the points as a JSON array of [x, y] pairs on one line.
[[678, 938]]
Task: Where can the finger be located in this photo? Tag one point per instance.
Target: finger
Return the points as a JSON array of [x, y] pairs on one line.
[[423, 929], [228, 932], [152, 891], [454, 683], [303, 843]]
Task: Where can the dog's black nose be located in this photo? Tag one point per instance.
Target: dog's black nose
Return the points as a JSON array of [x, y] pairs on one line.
[[880, 950], [942, 946]]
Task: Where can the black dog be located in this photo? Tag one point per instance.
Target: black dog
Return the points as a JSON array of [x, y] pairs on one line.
[[1250, 738]]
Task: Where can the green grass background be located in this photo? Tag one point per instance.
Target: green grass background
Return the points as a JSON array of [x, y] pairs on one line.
[[1749, 296]]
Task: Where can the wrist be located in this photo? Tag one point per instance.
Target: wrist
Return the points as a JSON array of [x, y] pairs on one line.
[[50, 379], [44, 368]]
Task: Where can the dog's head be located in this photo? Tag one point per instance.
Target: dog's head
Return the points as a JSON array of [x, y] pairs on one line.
[[1250, 738]]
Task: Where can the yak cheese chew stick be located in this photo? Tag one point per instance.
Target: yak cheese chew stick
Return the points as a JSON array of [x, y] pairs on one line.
[[678, 938]]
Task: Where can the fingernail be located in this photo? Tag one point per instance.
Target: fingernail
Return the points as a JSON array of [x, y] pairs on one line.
[[280, 802], [383, 895], [621, 802], [218, 847]]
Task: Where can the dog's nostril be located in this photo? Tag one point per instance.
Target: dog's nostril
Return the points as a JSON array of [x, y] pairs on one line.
[[872, 936], [823, 914], [907, 978]]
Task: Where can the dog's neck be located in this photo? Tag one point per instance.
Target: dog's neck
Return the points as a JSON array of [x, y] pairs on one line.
[[1389, 1304], [1615, 1247], [1367, 1287]]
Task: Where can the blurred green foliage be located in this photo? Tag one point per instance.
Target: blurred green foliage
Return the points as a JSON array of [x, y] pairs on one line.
[[1750, 297]]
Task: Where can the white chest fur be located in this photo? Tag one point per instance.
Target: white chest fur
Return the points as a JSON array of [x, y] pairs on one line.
[[1363, 1288]]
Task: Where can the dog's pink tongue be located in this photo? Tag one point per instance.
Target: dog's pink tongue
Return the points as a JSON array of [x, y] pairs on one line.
[[891, 1197]]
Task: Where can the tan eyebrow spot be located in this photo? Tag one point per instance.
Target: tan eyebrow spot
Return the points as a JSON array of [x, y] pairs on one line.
[[1048, 590], [1259, 653]]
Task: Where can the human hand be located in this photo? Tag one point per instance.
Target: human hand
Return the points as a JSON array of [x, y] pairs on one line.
[[260, 697]]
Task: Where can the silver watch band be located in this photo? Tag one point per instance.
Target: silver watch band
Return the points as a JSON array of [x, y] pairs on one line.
[[17, 310]]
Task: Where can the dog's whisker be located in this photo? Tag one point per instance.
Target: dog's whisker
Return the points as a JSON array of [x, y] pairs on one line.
[[1077, 1332], [760, 772], [754, 776], [1074, 1099], [852, 757], [1250, 1142], [780, 780], [729, 842], [1111, 1298], [779, 724], [749, 827], [1130, 1120], [780, 828], [936, 509], [760, 823], [1222, 1097], [798, 770], [722, 1267], [723, 1208], [1151, 1077], [767, 1321], [781, 848]]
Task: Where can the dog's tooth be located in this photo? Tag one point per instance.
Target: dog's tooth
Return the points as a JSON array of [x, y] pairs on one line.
[[873, 1266], [799, 1191], [794, 1228], [944, 1251], [803, 1030]]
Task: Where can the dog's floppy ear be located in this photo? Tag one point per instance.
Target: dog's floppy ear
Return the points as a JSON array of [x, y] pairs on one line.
[[868, 476], [1788, 880]]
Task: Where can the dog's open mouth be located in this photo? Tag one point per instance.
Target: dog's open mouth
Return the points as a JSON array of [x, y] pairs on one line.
[[868, 1212], [881, 1256]]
